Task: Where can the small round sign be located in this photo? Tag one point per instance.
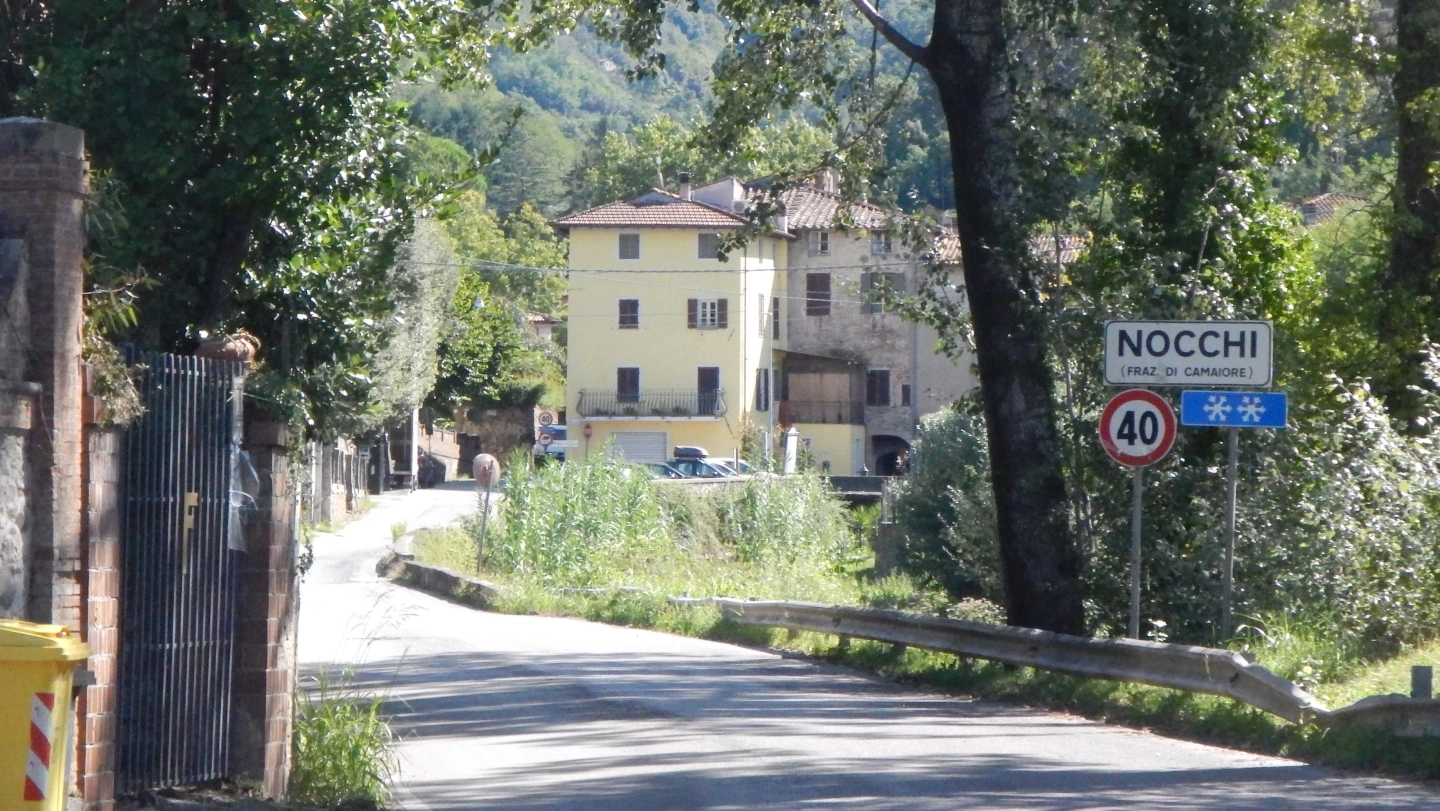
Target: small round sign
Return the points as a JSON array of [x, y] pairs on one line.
[[588, 430], [546, 438], [546, 418], [1137, 428]]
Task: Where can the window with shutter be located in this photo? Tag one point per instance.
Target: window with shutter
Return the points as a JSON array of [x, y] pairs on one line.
[[629, 313], [819, 243], [708, 313], [692, 313], [817, 294], [881, 244], [868, 304], [760, 313], [762, 389], [629, 246], [775, 318], [877, 387]]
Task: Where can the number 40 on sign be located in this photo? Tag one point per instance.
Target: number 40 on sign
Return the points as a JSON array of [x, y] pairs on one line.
[[1137, 428]]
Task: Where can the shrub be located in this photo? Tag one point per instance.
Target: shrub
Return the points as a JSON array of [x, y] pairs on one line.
[[341, 749]]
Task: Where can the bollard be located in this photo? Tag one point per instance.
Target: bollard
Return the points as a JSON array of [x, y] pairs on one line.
[[1422, 681]]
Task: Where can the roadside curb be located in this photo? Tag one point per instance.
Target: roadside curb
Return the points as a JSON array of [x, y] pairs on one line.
[[441, 582]]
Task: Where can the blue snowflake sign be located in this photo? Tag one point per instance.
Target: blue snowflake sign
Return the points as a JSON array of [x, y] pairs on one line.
[[1233, 409]]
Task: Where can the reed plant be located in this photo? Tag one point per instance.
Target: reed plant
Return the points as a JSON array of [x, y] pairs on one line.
[[342, 754]]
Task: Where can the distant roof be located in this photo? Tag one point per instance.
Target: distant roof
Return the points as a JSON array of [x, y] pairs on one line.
[[1322, 208], [947, 248], [808, 207], [654, 209]]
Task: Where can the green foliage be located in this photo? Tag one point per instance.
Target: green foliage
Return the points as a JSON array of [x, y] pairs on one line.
[[947, 509], [342, 749], [523, 238], [625, 165], [261, 165], [422, 285]]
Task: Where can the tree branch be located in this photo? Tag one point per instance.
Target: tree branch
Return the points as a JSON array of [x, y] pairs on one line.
[[918, 54]]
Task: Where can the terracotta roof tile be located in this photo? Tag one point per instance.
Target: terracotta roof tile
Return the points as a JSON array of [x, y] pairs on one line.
[[1322, 208], [809, 208], [655, 209], [947, 248]]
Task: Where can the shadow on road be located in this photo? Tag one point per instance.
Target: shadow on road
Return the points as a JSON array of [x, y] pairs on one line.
[[668, 731]]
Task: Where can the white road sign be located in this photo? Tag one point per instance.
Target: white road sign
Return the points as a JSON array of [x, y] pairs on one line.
[[1188, 353], [1137, 428]]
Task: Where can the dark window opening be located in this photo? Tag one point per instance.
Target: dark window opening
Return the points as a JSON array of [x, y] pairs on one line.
[[629, 246], [817, 294], [629, 313], [877, 387], [627, 384]]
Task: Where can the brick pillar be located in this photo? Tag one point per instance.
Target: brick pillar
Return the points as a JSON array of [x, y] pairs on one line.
[[96, 758], [42, 192], [269, 610]]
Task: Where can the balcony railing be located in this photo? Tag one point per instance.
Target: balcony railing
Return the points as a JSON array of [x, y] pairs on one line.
[[651, 403], [822, 412]]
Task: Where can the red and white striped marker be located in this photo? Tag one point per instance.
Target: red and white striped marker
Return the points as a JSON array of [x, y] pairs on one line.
[[37, 762]]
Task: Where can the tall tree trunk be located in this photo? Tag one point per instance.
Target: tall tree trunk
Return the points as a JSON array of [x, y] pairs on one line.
[[1042, 566], [1413, 301]]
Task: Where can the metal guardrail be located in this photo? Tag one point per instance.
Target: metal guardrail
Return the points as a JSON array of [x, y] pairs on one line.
[[651, 403], [1182, 667]]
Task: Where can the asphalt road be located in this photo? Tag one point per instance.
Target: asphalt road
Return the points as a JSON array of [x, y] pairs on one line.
[[503, 712]]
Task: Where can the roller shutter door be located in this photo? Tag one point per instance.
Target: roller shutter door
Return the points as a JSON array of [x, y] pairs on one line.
[[642, 446]]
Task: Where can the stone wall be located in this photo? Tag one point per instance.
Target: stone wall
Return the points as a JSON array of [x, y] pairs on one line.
[[16, 409], [43, 183]]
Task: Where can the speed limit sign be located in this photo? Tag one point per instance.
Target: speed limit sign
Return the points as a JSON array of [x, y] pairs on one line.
[[1137, 428]]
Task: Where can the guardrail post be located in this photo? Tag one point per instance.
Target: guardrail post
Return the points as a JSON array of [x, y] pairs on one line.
[[1421, 681]]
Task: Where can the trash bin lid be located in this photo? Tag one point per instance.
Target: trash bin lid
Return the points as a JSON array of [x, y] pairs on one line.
[[31, 641]]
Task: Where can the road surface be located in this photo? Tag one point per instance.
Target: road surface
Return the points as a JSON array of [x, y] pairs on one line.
[[504, 712]]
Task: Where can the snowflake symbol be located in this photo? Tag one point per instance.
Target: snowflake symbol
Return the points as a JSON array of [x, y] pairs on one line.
[[1217, 408], [1250, 409]]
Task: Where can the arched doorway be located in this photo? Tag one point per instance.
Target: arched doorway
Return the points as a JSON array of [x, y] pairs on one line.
[[891, 455]]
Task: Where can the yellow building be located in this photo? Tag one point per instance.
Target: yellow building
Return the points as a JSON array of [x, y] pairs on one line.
[[669, 344]]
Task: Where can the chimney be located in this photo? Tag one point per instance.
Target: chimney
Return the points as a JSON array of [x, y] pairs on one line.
[[829, 180], [686, 193], [782, 220]]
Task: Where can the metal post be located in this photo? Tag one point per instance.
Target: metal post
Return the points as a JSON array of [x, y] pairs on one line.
[[1227, 622], [484, 525], [1139, 486], [1422, 678]]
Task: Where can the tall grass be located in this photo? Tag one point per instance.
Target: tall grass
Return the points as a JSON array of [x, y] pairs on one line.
[[341, 748], [604, 524]]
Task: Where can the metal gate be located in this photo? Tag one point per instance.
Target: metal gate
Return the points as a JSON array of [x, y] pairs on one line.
[[179, 574]]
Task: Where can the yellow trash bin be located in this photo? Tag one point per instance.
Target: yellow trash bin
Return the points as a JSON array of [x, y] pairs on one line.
[[37, 665]]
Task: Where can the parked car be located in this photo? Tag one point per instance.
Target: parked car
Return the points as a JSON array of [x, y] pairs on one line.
[[739, 467], [661, 470], [700, 469]]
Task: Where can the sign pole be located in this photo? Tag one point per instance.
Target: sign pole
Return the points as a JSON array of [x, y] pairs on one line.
[[1138, 480], [1228, 578], [484, 524]]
